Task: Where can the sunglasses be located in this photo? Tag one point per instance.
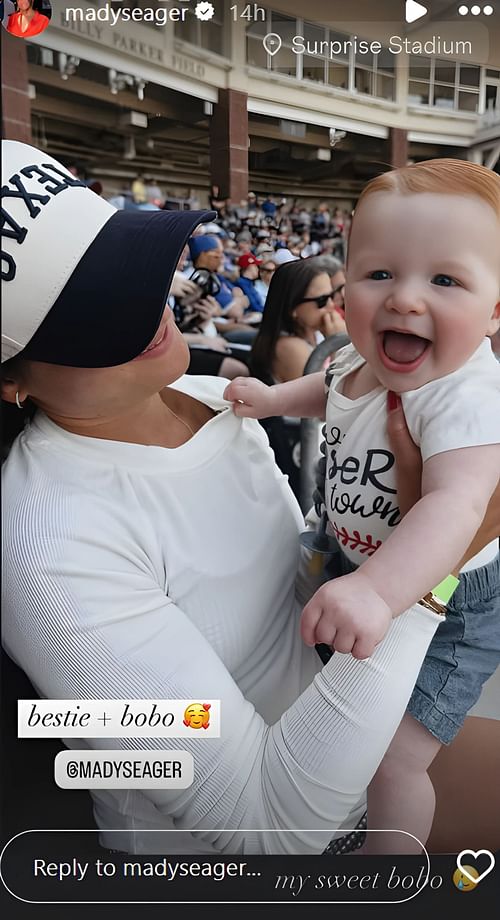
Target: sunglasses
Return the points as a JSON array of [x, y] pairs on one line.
[[319, 301]]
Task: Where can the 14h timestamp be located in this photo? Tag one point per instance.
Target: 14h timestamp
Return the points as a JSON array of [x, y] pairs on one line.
[[252, 12]]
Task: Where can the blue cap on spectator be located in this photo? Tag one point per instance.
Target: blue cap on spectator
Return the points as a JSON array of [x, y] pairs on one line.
[[199, 244]]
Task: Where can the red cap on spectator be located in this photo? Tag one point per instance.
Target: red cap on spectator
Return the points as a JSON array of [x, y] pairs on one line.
[[247, 259]]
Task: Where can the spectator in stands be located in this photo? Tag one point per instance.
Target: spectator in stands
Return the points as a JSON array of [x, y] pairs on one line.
[[335, 269], [269, 207], [299, 313], [338, 221], [139, 193], [308, 248], [265, 250], [154, 194], [217, 201], [283, 255], [207, 252], [194, 315], [95, 186], [334, 246], [229, 266], [320, 223], [249, 273], [244, 241], [266, 272]]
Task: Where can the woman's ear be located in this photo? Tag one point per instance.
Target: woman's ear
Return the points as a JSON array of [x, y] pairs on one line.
[[9, 389]]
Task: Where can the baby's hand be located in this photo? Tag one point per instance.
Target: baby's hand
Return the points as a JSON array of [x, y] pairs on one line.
[[347, 614], [251, 398]]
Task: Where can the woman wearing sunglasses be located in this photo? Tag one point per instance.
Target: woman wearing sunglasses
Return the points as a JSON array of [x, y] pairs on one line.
[[300, 311], [335, 270]]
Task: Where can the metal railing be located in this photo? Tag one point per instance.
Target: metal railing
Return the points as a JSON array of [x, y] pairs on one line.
[[309, 426]]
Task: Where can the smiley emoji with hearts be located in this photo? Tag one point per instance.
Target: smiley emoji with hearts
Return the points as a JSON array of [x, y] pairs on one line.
[[196, 715]]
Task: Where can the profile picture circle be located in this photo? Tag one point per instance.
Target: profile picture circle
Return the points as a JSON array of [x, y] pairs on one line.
[[25, 18]]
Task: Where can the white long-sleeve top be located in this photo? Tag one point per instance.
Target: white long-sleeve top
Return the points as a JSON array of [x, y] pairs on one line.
[[143, 572]]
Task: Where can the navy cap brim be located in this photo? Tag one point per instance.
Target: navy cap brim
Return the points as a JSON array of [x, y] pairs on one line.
[[110, 308]]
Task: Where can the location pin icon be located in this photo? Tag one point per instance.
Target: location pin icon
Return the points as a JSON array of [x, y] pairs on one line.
[[272, 43]]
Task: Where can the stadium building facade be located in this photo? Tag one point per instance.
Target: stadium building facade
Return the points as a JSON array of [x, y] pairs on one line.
[[143, 87]]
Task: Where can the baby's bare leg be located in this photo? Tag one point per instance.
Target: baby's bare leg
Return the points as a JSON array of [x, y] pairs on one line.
[[401, 795]]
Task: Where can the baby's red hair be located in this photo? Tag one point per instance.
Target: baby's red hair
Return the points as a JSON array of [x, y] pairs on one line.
[[442, 177]]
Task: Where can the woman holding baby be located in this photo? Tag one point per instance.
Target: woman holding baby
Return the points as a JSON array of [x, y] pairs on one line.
[[152, 545]]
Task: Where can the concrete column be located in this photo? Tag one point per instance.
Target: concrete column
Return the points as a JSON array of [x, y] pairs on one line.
[[229, 145], [16, 106], [474, 155], [398, 147]]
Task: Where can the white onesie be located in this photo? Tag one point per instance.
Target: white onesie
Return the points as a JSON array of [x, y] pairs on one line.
[[459, 410]]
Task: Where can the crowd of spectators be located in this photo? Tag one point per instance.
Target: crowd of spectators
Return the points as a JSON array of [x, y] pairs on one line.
[[256, 290], [234, 260]]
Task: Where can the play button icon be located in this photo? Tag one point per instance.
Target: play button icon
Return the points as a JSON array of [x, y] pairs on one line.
[[414, 11]]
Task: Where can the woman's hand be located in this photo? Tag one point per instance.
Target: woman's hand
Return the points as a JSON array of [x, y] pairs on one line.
[[332, 323], [409, 477]]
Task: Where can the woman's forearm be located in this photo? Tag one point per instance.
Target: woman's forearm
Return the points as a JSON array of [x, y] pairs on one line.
[[488, 531], [409, 482], [424, 547]]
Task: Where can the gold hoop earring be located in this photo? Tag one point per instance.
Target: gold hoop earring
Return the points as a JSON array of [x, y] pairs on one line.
[[18, 402]]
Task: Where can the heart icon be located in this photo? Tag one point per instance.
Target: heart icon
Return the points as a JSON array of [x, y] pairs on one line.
[[476, 854]]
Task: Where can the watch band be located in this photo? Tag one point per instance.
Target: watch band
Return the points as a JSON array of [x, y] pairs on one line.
[[438, 598], [444, 590]]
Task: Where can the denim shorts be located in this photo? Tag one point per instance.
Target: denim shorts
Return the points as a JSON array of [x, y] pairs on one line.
[[463, 654]]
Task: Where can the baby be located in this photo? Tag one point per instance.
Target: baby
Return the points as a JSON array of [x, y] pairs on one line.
[[422, 294]]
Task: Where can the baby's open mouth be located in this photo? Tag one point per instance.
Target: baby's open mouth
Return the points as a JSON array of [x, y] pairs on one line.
[[403, 347]]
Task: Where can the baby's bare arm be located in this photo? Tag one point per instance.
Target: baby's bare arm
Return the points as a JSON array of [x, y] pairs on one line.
[[302, 398], [433, 536]]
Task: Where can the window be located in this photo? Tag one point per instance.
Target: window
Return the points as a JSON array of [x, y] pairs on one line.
[[313, 68], [338, 74], [385, 85], [469, 76], [208, 35], [326, 60], [444, 84], [285, 62], [420, 68], [418, 93], [363, 81]]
